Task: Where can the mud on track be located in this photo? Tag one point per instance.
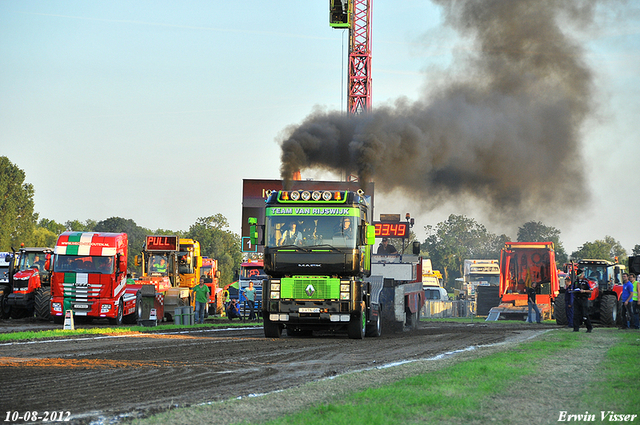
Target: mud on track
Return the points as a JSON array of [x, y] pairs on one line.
[[139, 374]]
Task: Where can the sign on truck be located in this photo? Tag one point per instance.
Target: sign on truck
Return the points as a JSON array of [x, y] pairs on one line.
[[317, 257], [89, 277]]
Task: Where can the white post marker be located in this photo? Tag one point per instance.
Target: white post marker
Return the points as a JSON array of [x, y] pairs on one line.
[[68, 320], [153, 315]]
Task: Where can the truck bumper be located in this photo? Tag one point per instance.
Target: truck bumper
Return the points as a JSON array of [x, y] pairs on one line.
[[21, 300], [310, 313]]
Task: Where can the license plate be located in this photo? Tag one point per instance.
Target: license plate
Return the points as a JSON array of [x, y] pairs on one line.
[[309, 310], [80, 306]]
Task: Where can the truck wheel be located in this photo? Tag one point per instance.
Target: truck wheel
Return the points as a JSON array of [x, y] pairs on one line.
[[271, 329], [608, 309], [375, 329], [117, 321], [18, 312], [559, 310], [357, 326], [132, 319], [42, 303]]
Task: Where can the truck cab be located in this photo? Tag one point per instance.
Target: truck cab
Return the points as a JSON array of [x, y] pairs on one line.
[[317, 252]]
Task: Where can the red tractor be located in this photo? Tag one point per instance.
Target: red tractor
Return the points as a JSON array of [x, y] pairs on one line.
[[605, 278], [29, 284]]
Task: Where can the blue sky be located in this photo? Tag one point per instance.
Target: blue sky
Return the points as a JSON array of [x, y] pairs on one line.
[[156, 111]]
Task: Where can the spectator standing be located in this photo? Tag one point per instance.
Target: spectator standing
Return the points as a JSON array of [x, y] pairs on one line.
[[635, 306], [531, 302], [202, 296], [582, 291], [385, 248], [627, 301], [250, 295], [568, 300]]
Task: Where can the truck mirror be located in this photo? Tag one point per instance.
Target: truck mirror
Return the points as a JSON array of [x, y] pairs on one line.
[[218, 274], [253, 234], [199, 261], [371, 234], [416, 248], [47, 262], [122, 263], [7, 258], [136, 261]]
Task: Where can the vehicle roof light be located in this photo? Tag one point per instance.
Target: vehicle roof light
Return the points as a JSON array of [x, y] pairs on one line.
[[326, 195], [306, 195], [316, 195], [295, 196], [285, 195], [337, 196]]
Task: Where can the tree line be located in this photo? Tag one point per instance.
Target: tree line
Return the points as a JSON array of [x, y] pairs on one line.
[[19, 224], [447, 244]]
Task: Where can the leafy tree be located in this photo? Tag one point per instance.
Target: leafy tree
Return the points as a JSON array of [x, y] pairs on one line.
[[17, 219], [459, 238], [218, 243], [78, 226], [607, 249], [535, 231], [636, 250], [43, 237], [52, 226]]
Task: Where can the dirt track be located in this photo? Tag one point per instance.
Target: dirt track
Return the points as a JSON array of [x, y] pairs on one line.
[[105, 376]]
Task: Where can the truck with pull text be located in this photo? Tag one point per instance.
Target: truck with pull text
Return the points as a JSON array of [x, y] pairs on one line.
[[317, 257], [89, 275], [172, 265]]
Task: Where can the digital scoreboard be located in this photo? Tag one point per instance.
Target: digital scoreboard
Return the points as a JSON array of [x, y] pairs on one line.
[[391, 229], [162, 243]]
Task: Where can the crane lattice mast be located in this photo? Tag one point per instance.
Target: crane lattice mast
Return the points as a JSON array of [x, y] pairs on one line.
[[355, 15]]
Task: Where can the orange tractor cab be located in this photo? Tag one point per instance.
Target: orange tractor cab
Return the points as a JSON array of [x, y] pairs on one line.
[[522, 264]]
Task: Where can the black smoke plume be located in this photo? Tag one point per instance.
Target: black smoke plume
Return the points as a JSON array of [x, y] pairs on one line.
[[505, 131]]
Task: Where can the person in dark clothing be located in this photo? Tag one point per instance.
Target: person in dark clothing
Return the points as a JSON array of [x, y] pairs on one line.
[[581, 291], [568, 301], [232, 310], [385, 248], [531, 302]]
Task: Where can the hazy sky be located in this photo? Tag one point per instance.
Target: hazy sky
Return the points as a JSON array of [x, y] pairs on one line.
[[156, 111]]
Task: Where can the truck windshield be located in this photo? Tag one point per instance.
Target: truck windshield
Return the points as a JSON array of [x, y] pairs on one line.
[[309, 231], [491, 279], [31, 260], [157, 265], [83, 264]]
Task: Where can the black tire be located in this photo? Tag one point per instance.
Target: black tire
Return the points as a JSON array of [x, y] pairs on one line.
[[18, 312], [42, 304], [132, 319], [413, 319], [357, 326], [608, 310], [271, 329], [117, 321], [559, 310], [374, 329]]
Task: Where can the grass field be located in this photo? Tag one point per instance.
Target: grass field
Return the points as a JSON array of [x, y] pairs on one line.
[[554, 378]]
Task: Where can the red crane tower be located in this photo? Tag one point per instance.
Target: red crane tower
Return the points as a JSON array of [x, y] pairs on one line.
[[356, 16]]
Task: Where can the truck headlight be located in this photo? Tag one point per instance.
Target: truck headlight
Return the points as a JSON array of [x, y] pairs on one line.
[[275, 287], [105, 308], [275, 295], [56, 306], [345, 295], [344, 288]]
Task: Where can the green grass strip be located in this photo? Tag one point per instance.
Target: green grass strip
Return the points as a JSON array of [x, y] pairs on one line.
[[616, 383], [456, 392], [54, 333]]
